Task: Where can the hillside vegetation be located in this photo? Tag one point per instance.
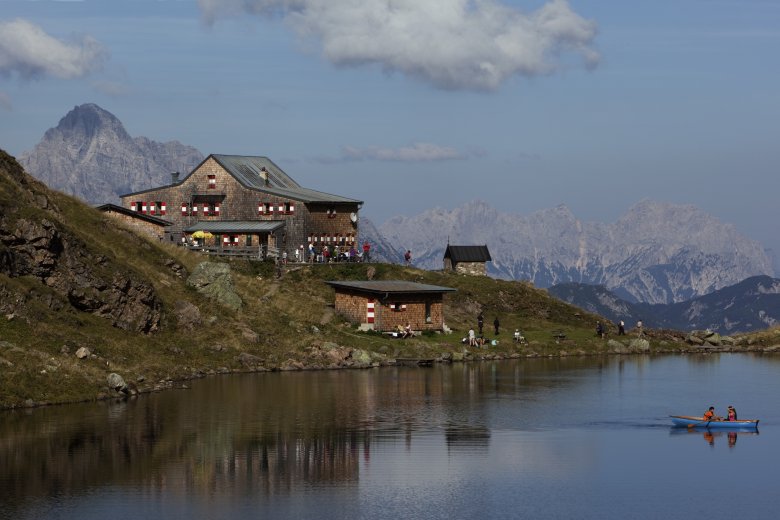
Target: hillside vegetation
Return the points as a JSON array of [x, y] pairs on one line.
[[72, 281]]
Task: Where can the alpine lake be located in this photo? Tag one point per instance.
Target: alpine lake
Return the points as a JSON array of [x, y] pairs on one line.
[[578, 437]]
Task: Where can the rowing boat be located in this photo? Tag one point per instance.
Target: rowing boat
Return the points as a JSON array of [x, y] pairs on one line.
[[688, 421]]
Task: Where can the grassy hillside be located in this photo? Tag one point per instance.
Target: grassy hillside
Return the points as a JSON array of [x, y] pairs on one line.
[[286, 323]]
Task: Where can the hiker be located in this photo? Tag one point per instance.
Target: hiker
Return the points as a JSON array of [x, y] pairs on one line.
[[408, 331], [621, 328], [495, 325], [408, 258], [366, 251], [599, 329], [480, 322], [472, 338]]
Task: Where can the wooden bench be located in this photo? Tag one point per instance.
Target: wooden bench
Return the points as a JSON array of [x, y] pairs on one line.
[[558, 335]]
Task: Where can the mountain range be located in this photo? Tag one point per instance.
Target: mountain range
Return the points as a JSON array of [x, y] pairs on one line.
[[749, 305], [657, 253], [89, 154]]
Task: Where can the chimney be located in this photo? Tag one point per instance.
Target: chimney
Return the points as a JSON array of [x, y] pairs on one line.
[[264, 175], [174, 177]]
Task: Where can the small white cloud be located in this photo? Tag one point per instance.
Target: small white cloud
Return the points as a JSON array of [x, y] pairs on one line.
[[452, 44], [26, 49], [417, 152]]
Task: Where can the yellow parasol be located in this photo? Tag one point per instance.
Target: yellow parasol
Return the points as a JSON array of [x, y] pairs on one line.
[[202, 234]]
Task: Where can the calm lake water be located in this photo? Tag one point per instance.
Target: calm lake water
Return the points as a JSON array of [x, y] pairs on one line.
[[570, 438]]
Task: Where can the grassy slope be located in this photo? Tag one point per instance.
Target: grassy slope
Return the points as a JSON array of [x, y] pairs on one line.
[[37, 361]]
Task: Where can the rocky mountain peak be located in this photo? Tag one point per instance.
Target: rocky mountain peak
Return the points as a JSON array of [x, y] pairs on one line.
[[88, 121], [89, 154]]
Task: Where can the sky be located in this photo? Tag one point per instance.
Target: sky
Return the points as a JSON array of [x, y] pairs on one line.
[[414, 104]]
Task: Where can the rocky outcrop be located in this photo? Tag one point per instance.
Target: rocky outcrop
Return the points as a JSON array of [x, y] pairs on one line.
[[89, 154], [213, 280], [36, 244]]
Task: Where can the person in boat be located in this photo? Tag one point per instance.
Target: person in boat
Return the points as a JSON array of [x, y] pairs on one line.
[[709, 415], [731, 414]]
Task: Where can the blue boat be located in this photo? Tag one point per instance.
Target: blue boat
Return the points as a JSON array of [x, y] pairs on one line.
[[687, 421]]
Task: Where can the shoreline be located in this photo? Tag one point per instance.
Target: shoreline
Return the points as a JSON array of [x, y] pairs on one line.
[[138, 388]]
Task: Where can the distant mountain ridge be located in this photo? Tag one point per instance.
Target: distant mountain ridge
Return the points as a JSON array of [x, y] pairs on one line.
[[89, 154], [752, 304], [657, 252]]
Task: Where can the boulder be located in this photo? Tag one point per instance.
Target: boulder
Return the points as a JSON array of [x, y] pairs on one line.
[[214, 281], [248, 360], [82, 353], [116, 382], [187, 315], [639, 345]]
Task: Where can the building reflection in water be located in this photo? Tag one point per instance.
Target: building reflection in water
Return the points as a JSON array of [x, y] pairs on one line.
[[257, 433]]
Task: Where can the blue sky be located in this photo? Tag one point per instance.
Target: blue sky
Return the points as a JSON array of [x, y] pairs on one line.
[[412, 104]]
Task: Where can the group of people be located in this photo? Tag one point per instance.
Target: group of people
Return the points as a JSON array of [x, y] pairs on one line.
[[477, 339], [327, 254], [601, 331], [731, 414]]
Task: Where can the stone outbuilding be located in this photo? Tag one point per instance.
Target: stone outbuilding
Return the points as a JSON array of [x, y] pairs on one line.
[[145, 224], [386, 305], [467, 259], [249, 202]]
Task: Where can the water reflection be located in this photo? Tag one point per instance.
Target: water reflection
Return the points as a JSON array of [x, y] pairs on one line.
[[284, 434], [712, 437]]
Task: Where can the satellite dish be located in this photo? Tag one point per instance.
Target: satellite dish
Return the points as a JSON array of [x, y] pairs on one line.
[[353, 217]]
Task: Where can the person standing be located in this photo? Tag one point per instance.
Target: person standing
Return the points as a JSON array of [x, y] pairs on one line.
[[639, 328], [472, 338], [366, 251], [599, 329], [480, 322], [408, 257], [621, 328], [496, 324]]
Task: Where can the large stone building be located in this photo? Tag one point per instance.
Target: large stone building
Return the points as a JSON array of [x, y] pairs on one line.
[[248, 202], [386, 305]]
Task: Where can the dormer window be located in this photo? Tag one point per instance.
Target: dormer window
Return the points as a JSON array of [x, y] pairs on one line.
[[331, 212]]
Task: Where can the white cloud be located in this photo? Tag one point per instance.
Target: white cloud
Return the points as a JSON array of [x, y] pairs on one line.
[[26, 49], [452, 44], [416, 152]]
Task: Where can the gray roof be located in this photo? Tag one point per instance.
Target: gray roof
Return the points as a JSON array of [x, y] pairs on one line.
[[389, 286], [236, 226], [134, 214], [467, 253], [247, 170]]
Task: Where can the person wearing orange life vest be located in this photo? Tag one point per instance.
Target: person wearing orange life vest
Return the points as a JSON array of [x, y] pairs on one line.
[[709, 415]]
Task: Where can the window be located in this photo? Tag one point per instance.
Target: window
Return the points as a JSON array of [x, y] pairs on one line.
[[398, 307], [212, 182], [185, 209], [289, 208], [161, 207], [248, 240], [428, 318]]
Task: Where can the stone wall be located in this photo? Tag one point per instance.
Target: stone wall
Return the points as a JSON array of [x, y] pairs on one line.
[[138, 225], [472, 268], [408, 309]]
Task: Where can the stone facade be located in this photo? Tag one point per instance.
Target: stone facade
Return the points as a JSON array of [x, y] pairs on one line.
[[387, 310], [470, 268], [148, 226], [213, 192]]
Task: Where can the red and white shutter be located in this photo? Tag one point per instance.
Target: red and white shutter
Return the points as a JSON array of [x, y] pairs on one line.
[[162, 209], [292, 208], [260, 209], [183, 209], [195, 209], [370, 311], [216, 209], [143, 207], [133, 207]]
